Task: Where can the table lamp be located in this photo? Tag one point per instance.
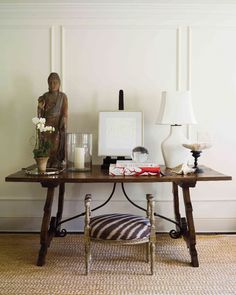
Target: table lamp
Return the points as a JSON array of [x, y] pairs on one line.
[[176, 110]]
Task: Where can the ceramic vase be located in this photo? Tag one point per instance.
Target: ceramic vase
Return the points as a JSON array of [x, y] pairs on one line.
[[42, 164]]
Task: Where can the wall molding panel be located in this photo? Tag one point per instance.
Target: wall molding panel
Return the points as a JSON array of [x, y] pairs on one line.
[[204, 225], [52, 48], [180, 12], [178, 58], [31, 220], [62, 50], [188, 58]]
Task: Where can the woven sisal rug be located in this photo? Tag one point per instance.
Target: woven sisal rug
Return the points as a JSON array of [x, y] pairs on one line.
[[116, 269]]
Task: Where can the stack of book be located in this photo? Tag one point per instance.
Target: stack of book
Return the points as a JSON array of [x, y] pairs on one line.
[[134, 168]]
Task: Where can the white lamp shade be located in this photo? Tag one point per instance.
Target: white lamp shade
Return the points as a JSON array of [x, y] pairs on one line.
[[176, 109]]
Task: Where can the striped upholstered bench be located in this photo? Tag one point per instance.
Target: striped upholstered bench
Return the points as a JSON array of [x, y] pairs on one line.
[[120, 229]]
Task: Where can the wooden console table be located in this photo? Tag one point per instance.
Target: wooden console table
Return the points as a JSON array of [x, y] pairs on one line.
[[51, 225]]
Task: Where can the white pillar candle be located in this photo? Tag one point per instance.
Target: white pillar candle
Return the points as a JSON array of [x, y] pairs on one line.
[[79, 158]]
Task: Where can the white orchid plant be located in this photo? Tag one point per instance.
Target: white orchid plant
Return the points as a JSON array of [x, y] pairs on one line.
[[42, 145]]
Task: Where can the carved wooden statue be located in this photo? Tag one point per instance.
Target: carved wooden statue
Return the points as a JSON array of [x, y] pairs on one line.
[[53, 106]]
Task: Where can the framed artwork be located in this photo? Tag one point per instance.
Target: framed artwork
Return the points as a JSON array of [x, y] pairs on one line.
[[119, 132]]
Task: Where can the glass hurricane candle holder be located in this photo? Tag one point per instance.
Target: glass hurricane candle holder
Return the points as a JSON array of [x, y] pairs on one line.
[[79, 151]]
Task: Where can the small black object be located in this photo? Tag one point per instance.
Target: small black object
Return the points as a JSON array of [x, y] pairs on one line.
[[196, 155], [121, 100], [106, 162]]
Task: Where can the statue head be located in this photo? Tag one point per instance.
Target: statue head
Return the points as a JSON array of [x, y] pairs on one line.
[[54, 82]]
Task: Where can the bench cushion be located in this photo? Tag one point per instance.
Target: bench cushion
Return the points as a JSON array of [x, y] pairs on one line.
[[119, 227]]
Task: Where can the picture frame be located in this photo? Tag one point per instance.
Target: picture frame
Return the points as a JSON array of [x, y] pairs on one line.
[[119, 132]]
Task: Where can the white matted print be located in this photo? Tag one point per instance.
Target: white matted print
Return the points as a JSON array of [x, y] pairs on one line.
[[119, 132]]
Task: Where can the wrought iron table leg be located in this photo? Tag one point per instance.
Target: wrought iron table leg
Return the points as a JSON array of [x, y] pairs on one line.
[[46, 235], [190, 235]]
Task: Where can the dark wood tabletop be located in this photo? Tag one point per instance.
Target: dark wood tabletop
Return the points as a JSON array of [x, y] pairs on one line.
[[98, 175]]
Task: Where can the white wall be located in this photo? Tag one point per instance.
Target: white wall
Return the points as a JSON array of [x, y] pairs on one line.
[[143, 48]]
